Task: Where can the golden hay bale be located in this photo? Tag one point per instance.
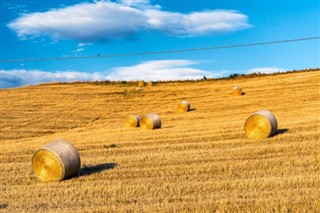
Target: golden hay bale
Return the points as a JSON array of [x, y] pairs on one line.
[[261, 124], [138, 89], [150, 121], [140, 83], [184, 106], [56, 161], [132, 121], [149, 84], [236, 91]]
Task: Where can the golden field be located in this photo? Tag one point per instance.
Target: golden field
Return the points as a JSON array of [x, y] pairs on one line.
[[199, 161]]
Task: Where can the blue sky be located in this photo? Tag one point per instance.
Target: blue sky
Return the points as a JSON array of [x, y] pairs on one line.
[[50, 29]]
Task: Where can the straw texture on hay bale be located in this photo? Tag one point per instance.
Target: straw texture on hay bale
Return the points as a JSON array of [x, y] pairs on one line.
[[149, 84], [184, 106], [132, 121], [56, 161], [237, 91], [150, 121], [261, 124], [138, 89], [140, 83]]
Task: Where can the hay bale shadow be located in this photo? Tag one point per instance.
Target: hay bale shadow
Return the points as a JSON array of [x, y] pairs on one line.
[[281, 131], [192, 109], [167, 127], [3, 205], [88, 170], [243, 93]]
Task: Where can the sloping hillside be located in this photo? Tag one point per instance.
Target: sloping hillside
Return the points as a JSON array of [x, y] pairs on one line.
[[198, 161]]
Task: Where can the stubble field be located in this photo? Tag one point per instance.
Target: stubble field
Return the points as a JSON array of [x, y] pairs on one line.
[[199, 161]]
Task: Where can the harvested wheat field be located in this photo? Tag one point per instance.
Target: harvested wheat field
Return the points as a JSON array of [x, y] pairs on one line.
[[200, 161]]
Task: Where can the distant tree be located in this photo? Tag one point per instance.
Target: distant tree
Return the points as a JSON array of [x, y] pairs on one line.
[[234, 75]]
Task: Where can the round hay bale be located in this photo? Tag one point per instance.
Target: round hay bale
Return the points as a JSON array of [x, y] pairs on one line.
[[184, 106], [261, 124], [140, 83], [149, 84], [150, 121], [237, 91], [132, 121], [138, 89], [56, 161]]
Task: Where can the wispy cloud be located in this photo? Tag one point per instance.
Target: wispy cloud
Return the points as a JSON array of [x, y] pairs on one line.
[[266, 70], [84, 44], [105, 20], [81, 47], [16, 78], [14, 6], [149, 70], [142, 4], [160, 70], [78, 49]]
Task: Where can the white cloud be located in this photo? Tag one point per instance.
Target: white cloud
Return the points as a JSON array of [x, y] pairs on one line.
[[105, 20], [16, 78], [159, 70], [84, 44], [79, 49], [83, 22], [197, 23], [149, 70], [266, 70]]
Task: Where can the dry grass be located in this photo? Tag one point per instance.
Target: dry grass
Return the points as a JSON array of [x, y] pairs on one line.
[[200, 161]]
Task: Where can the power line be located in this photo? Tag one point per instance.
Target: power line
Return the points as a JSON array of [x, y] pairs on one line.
[[159, 52]]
